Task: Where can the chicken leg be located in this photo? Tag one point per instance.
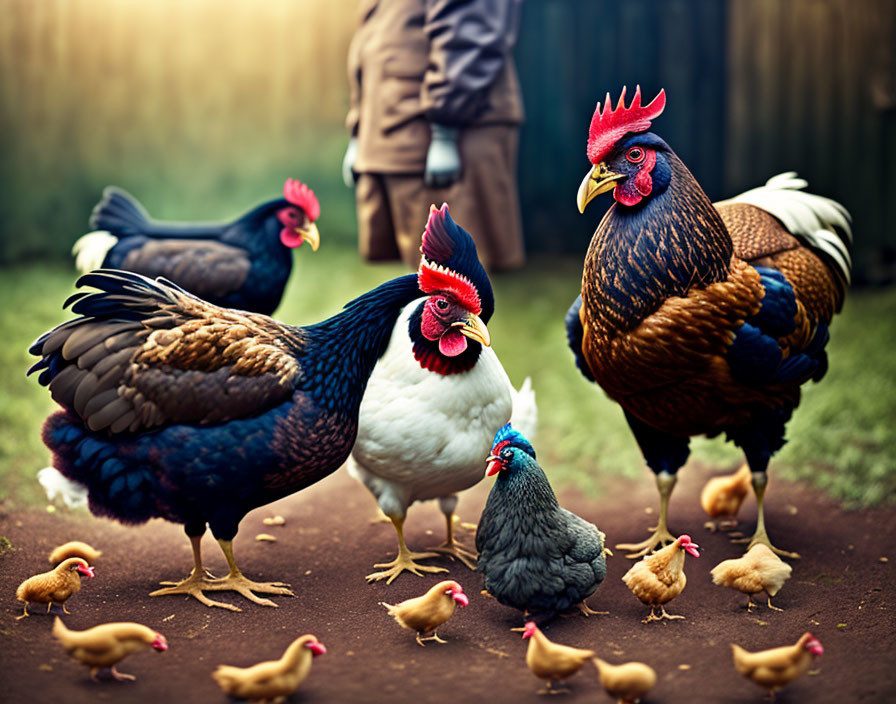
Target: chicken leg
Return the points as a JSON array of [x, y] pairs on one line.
[[198, 581], [760, 480], [665, 482], [405, 561], [451, 547]]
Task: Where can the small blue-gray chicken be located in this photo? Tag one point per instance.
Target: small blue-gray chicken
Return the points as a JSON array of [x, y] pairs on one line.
[[535, 555]]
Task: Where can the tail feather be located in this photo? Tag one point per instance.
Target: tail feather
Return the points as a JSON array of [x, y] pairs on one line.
[[57, 485], [525, 410], [115, 481], [119, 212], [90, 250], [823, 224]]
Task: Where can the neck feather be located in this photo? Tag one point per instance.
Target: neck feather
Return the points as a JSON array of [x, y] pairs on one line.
[[342, 350], [642, 255]]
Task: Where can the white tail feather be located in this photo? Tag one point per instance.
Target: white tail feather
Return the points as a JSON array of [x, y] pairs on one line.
[[58, 486], [822, 223], [90, 250], [525, 411]]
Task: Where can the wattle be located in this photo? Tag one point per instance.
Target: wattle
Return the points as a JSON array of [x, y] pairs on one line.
[[290, 238], [452, 343]]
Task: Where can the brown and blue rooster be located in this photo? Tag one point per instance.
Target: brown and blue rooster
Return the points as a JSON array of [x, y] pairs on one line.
[[244, 263], [701, 318], [176, 408]]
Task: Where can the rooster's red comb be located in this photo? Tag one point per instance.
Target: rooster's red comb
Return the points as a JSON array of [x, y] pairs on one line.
[[299, 194], [609, 126]]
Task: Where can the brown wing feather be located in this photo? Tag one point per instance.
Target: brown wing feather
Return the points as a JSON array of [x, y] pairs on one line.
[[760, 239], [207, 268], [186, 361]]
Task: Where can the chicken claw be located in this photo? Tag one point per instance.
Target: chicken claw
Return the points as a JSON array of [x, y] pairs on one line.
[[199, 582], [404, 562], [661, 536], [663, 614]]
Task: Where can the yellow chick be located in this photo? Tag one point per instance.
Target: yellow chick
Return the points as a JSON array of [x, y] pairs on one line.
[[424, 614], [104, 646], [74, 548], [551, 661], [759, 570], [659, 578], [272, 681], [55, 586], [775, 668], [722, 497], [627, 682]]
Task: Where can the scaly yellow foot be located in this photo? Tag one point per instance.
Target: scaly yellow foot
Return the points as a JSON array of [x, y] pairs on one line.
[[451, 547], [405, 562], [434, 637], [661, 535], [663, 614], [665, 482]]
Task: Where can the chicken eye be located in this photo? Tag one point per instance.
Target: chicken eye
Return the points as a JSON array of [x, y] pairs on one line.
[[441, 304], [507, 454], [635, 155]]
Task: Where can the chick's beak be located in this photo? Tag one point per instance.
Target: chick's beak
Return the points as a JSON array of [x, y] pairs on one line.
[[599, 180], [460, 598], [473, 327], [87, 571], [311, 235], [160, 643], [493, 466], [317, 648]]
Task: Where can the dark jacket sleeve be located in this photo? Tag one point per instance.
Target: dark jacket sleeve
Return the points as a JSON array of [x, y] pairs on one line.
[[469, 43]]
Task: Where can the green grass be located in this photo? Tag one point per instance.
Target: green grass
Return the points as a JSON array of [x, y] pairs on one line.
[[842, 438]]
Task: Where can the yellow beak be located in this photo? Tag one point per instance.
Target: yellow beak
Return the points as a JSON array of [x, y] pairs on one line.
[[599, 180], [310, 235], [475, 329]]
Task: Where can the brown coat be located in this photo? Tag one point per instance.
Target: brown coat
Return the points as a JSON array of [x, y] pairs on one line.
[[412, 62]]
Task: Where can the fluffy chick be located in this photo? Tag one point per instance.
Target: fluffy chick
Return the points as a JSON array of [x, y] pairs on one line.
[[55, 586], [272, 681], [659, 578], [759, 570], [424, 614], [722, 497], [627, 682], [551, 661], [74, 548], [106, 645], [775, 668]]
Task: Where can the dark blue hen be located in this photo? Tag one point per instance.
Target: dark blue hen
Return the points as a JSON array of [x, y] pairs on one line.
[[243, 263], [535, 555]]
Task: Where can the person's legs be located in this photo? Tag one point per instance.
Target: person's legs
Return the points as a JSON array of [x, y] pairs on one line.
[[376, 233]]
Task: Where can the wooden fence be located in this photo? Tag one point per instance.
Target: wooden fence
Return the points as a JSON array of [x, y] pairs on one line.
[[201, 104]]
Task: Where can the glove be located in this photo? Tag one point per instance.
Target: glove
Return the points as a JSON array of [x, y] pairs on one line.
[[348, 163], [443, 165]]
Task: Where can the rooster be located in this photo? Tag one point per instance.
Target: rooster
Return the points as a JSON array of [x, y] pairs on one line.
[[241, 264], [699, 318], [435, 398], [178, 409]]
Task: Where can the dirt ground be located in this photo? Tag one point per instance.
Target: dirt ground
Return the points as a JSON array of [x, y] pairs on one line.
[[842, 590]]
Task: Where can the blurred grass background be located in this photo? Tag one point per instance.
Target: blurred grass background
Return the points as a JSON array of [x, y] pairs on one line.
[[202, 108]]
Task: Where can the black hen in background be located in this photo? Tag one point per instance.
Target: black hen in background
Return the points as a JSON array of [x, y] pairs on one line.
[[243, 264], [535, 555]]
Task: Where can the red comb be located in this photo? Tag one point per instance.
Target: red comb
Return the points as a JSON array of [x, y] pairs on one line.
[[609, 126], [433, 277], [299, 194]]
